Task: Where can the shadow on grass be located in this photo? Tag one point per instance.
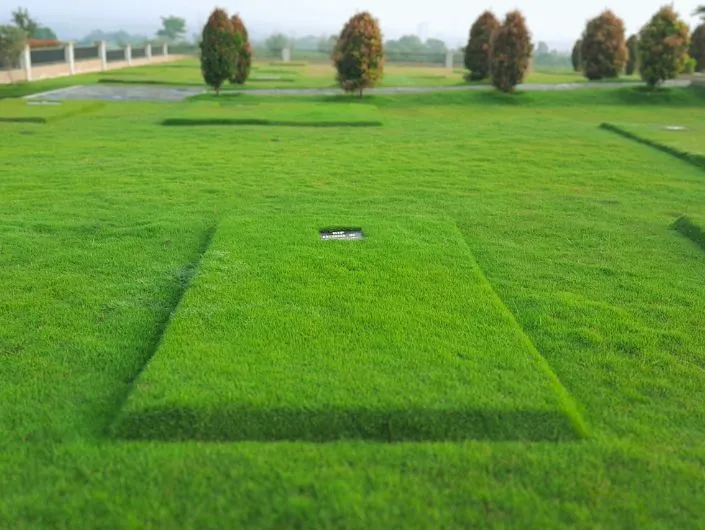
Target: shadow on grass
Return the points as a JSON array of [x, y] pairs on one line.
[[333, 424], [686, 227], [690, 158], [176, 293], [271, 80], [24, 120], [239, 122]]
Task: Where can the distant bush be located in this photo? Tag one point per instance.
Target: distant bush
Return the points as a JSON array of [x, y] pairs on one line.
[[511, 50], [244, 59], [575, 58], [552, 60], [632, 54], [697, 47], [663, 47], [12, 42], [604, 49], [477, 51], [220, 47], [689, 65], [359, 54]]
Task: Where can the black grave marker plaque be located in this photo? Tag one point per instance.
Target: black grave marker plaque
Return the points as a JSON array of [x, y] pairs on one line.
[[341, 233]]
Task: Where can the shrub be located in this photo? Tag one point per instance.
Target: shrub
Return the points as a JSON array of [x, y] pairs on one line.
[[697, 47], [510, 55], [575, 56], [633, 54], [604, 49], [220, 47], [244, 59], [663, 47], [359, 54], [689, 65], [477, 51]]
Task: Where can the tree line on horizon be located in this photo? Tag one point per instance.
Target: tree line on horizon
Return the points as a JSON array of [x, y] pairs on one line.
[[501, 51], [663, 48]]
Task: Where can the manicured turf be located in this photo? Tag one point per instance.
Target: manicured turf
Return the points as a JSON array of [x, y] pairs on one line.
[[274, 75], [106, 220], [319, 75], [396, 337]]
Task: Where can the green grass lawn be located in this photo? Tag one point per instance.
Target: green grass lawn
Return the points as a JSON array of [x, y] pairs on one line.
[[320, 75], [275, 75], [517, 342]]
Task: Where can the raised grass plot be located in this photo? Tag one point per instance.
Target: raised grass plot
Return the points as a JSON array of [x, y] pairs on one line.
[[235, 111], [395, 337], [683, 136], [42, 111]]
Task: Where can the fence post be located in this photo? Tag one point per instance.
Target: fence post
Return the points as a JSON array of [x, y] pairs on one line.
[[26, 62], [148, 51], [449, 59], [70, 58], [103, 54], [286, 55], [128, 54], [165, 49]]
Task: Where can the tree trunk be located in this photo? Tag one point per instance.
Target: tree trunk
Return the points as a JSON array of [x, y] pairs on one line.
[[361, 92]]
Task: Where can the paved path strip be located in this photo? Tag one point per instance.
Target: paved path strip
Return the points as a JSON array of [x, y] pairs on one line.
[[105, 92]]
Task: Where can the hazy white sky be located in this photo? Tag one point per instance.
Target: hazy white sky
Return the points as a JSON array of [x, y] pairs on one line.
[[550, 20]]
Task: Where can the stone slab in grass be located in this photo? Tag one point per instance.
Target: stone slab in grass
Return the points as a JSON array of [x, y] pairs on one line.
[[397, 337], [119, 93]]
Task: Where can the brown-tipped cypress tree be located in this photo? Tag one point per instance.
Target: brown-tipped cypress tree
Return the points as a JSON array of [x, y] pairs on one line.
[[663, 47], [359, 54], [697, 47], [575, 56], [477, 51], [511, 50], [244, 59], [633, 54], [219, 50], [604, 48]]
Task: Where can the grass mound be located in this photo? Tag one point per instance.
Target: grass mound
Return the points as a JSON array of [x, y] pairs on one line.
[[397, 337], [690, 229], [40, 112], [240, 110], [663, 138]]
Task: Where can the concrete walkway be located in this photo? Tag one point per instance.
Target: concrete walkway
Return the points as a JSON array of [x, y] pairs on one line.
[[106, 92]]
